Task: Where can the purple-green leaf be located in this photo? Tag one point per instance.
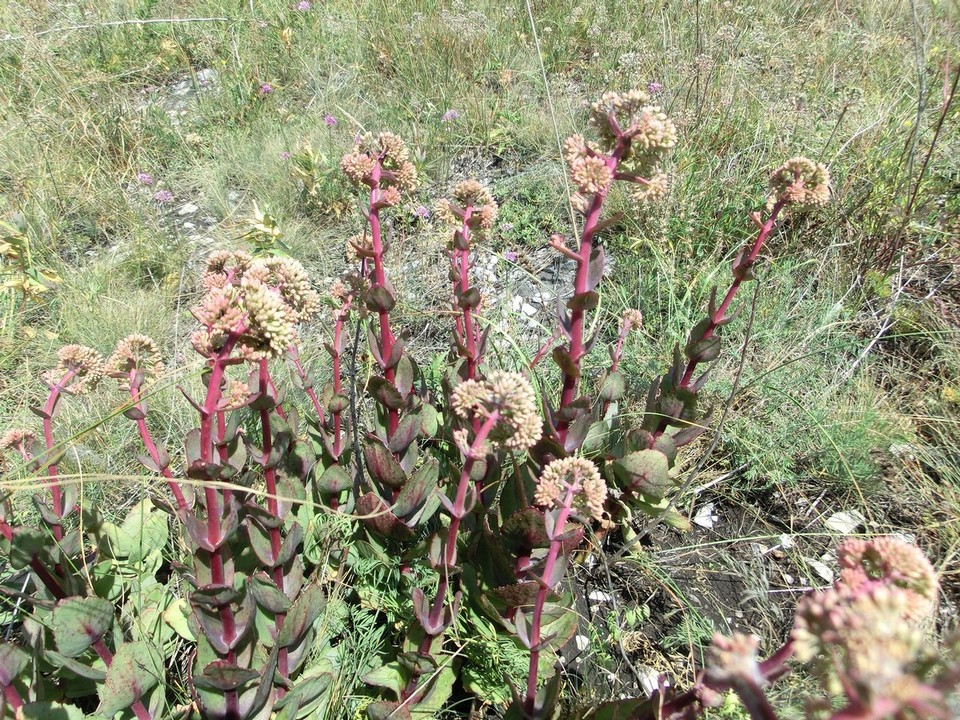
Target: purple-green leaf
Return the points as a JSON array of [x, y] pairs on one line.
[[645, 471], [79, 622], [136, 669]]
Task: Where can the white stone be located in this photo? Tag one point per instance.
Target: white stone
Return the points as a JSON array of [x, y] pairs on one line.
[[528, 309], [705, 517], [845, 522], [821, 568], [599, 596], [187, 209]]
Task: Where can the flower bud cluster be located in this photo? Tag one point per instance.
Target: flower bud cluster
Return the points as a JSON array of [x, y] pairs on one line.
[[866, 633], [591, 174], [511, 396], [17, 439], [384, 162], [224, 267], [890, 560], [632, 319], [84, 363], [642, 132], [256, 303], [134, 352], [235, 396], [801, 183], [290, 280], [575, 475], [469, 193], [630, 115], [734, 659], [655, 188]]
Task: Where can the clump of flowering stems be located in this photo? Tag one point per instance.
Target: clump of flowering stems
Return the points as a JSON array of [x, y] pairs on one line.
[[633, 137], [248, 315], [78, 371], [134, 363], [501, 415]]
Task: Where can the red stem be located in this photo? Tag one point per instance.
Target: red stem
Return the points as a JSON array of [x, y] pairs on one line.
[[576, 346], [52, 473], [462, 259], [450, 546], [387, 338], [214, 508], [617, 354], [273, 506], [552, 555], [12, 697], [151, 446], [342, 315], [294, 355]]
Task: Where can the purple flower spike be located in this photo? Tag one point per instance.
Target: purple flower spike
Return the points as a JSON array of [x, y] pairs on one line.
[[145, 178], [329, 120], [422, 212], [510, 255], [284, 155], [450, 115], [266, 89], [304, 5], [163, 196], [654, 88]]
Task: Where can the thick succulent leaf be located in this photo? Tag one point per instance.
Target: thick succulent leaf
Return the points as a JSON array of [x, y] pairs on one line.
[[633, 709], [524, 531], [417, 490], [391, 676], [222, 676], [12, 662], [385, 392], [378, 517], [143, 530], [645, 471], [406, 433], [49, 711], [301, 615], [334, 480], [439, 686], [405, 375], [75, 666], [136, 669], [305, 691], [614, 386], [77, 623], [268, 595], [380, 299], [381, 463], [388, 711]]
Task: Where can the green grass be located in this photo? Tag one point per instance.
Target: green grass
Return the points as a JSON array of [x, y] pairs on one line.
[[856, 85]]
